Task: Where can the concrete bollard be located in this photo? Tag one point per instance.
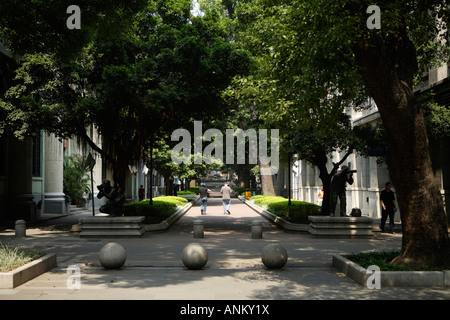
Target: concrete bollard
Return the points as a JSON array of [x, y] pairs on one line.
[[21, 228], [112, 256], [198, 229], [194, 256], [256, 229], [274, 256]]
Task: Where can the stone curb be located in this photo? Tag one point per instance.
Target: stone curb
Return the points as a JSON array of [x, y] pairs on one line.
[[286, 225], [164, 225], [392, 278], [18, 276]]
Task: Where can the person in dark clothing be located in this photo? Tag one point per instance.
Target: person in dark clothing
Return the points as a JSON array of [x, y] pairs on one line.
[[388, 207], [141, 193], [203, 192]]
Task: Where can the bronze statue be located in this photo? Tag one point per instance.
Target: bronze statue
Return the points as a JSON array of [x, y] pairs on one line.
[[338, 183], [115, 200]]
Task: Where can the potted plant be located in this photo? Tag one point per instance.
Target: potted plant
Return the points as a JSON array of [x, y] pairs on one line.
[[76, 178]]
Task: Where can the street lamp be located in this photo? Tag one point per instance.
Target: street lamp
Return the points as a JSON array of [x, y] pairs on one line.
[[90, 163]]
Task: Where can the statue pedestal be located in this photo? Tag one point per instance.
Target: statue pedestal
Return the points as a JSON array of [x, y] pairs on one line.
[[112, 226], [340, 227]]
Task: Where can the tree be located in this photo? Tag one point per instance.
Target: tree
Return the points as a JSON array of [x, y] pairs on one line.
[[316, 148], [319, 57], [39, 26], [165, 70]]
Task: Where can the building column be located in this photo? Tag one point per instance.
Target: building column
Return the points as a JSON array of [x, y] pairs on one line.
[[54, 198]]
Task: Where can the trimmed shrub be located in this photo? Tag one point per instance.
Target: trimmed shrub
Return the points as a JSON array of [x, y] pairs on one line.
[[185, 193], [297, 212], [194, 189], [263, 201], [239, 190], [188, 195], [161, 209]]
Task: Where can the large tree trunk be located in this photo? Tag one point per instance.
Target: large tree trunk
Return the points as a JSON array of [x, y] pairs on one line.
[[387, 66], [267, 181], [326, 182], [244, 175]]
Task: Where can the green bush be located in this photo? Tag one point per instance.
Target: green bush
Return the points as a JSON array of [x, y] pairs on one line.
[[263, 201], [188, 195], [161, 209], [185, 192], [239, 190], [75, 177], [296, 212], [194, 189]]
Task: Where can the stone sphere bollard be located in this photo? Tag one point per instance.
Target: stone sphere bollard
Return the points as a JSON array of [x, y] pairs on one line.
[[20, 228], [112, 256], [198, 229], [274, 256], [194, 256], [256, 229]]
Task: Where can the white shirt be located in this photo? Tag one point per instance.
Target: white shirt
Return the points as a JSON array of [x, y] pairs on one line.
[[225, 191]]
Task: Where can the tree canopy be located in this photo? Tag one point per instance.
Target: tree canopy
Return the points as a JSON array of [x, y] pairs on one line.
[[168, 69]]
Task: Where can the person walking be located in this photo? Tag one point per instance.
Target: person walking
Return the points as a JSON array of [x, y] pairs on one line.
[[226, 198], [388, 207], [203, 192]]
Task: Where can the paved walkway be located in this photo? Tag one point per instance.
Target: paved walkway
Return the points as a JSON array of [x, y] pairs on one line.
[[234, 271]]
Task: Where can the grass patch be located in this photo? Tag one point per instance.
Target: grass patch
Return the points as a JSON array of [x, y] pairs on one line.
[[161, 209], [12, 257], [297, 212], [382, 259]]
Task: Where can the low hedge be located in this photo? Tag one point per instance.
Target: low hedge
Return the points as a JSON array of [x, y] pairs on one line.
[[161, 209], [297, 212], [185, 192], [194, 189], [239, 190]]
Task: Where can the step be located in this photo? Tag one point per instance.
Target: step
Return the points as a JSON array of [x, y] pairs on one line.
[[112, 226]]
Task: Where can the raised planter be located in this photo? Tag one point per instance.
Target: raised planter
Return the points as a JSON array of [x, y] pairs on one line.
[[392, 278], [170, 220], [18, 276], [276, 219], [130, 226]]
